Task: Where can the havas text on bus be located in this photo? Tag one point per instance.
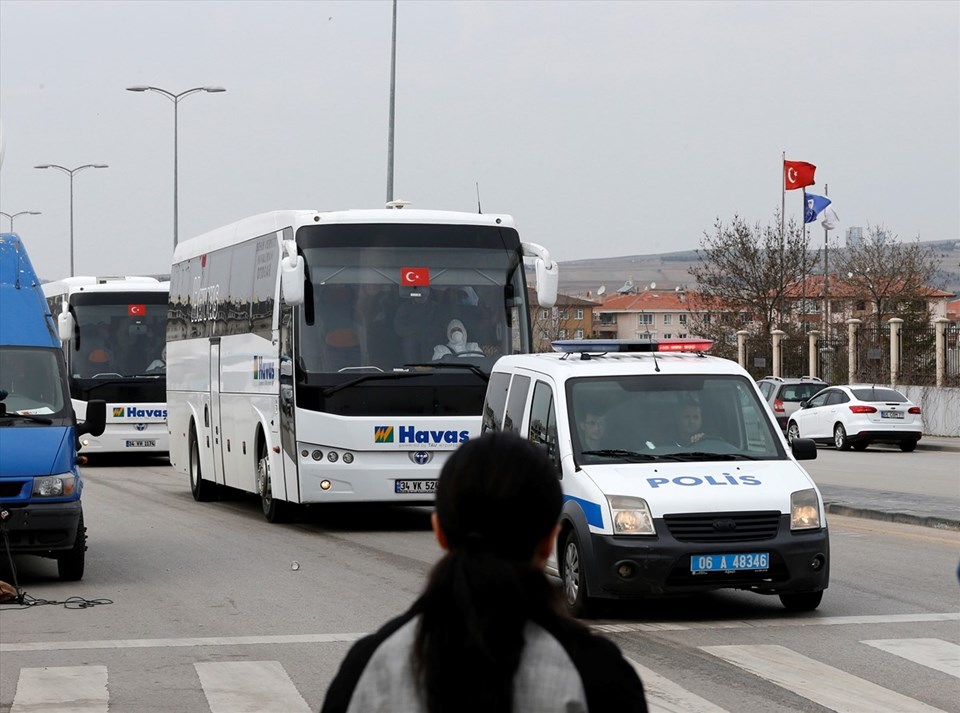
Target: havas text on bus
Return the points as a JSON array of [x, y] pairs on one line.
[[337, 357], [114, 338]]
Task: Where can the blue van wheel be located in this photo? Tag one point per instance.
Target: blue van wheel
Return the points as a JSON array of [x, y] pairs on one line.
[[71, 562]]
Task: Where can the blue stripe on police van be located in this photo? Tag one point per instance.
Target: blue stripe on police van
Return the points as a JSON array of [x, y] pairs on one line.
[[591, 510]]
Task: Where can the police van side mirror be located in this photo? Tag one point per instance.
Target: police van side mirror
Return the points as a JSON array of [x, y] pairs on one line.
[[65, 326], [96, 419], [804, 448]]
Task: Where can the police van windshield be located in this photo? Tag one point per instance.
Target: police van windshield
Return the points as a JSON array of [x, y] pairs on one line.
[[386, 296], [674, 417], [32, 380]]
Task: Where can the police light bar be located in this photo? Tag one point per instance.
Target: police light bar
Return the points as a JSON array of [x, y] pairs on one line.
[[631, 345]]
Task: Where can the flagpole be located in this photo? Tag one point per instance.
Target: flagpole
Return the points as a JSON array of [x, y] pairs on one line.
[[783, 210], [826, 273]]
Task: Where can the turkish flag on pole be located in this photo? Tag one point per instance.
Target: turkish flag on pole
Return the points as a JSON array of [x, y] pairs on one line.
[[415, 276], [797, 174]]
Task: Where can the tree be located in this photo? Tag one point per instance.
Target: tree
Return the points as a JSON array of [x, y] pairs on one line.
[[895, 278], [746, 268]]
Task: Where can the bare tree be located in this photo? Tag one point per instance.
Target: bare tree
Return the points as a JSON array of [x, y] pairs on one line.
[[747, 268], [894, 277], [545, 325]]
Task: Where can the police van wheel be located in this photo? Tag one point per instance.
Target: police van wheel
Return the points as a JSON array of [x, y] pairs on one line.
[[203, 490], [801, 601], [574, 578], [70, 563], [273, 509]]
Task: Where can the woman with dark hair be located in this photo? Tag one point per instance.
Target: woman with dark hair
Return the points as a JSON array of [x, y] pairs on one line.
[[489, 633]]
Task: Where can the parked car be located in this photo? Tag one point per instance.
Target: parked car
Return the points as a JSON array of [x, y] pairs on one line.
[[857, 415], [784, 394]]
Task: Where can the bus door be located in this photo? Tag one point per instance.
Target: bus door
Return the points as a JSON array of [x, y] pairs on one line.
[[215, 425]]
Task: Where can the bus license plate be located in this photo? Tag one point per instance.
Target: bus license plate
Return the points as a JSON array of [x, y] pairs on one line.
[[750, 561], [414, 487], [141, 444]]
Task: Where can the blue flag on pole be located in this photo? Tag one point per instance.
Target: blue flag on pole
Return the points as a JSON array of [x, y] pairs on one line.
[[813, 206]]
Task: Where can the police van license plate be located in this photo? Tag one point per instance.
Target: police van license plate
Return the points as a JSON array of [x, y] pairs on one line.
[[415, 487], [141, 444], [750, 561]]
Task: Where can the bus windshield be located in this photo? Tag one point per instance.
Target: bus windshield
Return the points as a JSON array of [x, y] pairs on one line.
[[119, 335], [385, 297], [32, 380]]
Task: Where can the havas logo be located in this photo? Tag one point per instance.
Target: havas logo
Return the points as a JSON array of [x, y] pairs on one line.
[[410, 434], [134, 412], [383, 434], [118, 411], [263, 370]]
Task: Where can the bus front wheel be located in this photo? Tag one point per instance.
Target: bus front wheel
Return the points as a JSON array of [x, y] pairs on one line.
[[203, 490], [274, 510]]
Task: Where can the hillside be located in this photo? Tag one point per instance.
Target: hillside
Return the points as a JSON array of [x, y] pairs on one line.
[[669, 270]]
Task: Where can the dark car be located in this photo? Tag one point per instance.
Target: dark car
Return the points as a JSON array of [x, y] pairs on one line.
[[784, 394]]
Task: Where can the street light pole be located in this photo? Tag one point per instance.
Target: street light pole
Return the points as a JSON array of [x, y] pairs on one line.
[[70, 172], [22, 212], [175, 98]]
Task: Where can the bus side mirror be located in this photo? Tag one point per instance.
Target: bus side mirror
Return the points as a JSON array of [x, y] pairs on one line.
[[96, 418], [291, 279], [65, 326], [547, 271]]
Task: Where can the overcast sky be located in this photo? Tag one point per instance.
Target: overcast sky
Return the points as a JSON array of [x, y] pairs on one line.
[[604, 128]]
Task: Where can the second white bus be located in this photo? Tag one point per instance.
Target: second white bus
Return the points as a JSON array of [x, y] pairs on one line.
[[316, 357]]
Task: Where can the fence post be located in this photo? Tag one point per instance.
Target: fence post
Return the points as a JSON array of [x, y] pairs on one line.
[[853, 352], [812, 355], [895, 324], [777, 335], [941, 324], [742, 348]]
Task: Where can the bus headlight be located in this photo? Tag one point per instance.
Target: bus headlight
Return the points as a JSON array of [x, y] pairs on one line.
[[54, 486], [804, 510], [631, 516]]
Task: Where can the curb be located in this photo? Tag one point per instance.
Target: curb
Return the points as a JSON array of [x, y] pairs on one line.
[[937, 523]]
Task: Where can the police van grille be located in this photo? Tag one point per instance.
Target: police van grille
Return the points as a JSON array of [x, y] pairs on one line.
[[723, 526]]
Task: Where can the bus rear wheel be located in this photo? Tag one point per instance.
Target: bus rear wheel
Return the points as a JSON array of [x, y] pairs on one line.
[[273, 509]]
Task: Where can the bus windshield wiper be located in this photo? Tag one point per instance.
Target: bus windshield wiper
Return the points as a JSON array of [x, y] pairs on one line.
[[330, 390], [27, 417], [457, 365]]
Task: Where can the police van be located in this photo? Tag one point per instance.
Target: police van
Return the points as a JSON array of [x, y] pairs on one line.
[[40, 485], [676, 477]]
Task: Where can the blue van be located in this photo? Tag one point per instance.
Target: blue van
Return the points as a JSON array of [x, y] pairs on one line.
[[40, 486]]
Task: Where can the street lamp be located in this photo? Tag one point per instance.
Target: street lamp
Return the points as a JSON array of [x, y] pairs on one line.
[[22, 212], [70, 172], [175, 98]]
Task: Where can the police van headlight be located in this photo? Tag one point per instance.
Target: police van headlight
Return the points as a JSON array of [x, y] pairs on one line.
[[631, 516], [804, 510], [54, 486]]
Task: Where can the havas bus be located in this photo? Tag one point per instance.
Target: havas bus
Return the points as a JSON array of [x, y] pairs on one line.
[[335, 357], [113, 331]]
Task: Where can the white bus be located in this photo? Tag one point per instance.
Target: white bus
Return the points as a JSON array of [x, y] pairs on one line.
[[113, 331], [314, 356]]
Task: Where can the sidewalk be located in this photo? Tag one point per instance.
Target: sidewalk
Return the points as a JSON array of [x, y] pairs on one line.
[[940, 513]]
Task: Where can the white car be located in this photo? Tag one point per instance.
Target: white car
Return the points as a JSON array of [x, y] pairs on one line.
[[857, 415]]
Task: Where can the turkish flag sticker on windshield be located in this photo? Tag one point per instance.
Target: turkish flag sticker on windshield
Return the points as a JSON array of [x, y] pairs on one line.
[[415, 276], [136, 310]]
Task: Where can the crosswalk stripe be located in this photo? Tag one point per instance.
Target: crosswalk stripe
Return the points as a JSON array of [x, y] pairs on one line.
[[665, 696], [818, 682], [249, 687], [62, 689], [932, 653]]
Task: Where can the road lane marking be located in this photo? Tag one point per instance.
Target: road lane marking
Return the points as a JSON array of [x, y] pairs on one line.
[[665, 696], [785, 621], [818, 682], [249, 687], [64, 689], [932, 653]]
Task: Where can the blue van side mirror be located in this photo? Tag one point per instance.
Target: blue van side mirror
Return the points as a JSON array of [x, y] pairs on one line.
[[96, 419]]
